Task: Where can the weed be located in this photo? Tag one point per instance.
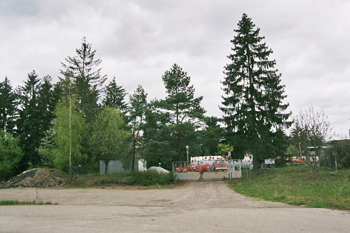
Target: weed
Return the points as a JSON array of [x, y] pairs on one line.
[[9, 202]]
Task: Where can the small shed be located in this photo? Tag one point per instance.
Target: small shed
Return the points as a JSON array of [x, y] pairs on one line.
[[117, 166]]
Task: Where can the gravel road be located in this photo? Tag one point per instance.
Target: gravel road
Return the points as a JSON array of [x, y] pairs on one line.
[[193, 207]]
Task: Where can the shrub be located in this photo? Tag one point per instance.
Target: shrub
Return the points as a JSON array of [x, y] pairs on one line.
[[147, 178]]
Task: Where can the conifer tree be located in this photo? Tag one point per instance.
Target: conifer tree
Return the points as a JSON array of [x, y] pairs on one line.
[[252, 105], [8, 106], [115, 96], [37, 103], [137, 111], [180, 114], [28, 123], [87, 78]]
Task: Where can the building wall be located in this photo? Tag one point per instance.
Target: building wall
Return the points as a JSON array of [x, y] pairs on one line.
[[117, 166]]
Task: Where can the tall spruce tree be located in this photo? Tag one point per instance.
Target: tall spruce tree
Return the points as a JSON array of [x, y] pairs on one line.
[[115, 96], [8, 106], [28, 123], [37, 103], [253, 105], [47, 100], [87, 78]]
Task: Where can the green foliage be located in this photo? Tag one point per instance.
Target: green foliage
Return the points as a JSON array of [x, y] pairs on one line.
[[144, 178], [341, 152], [28, 123], [252, 105], [69, 128], [115, 96], [173, 121], [292, 151], [310, 129], [8, 106], [109, 139], [38, 100], [136, 118], [86, 79], [210, 136], [96, 180], [46, 148], [223, 149], [10, 154], [148, 178], [10, 202], [288, 185]]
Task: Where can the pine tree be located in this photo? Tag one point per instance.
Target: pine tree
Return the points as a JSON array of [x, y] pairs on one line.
[[252, 104], [137, 111], [8, 106], [181, 109]]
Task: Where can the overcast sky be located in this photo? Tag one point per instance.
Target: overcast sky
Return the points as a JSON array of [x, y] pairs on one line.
[[138, 40]]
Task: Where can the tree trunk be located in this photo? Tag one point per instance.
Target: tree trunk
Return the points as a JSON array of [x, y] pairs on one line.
[[134, 152], [106, 166]]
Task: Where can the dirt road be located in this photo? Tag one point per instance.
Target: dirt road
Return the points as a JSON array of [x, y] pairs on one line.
[[194, 207]]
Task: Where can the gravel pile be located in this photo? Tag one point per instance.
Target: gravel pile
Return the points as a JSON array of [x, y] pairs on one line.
[[37, 177]]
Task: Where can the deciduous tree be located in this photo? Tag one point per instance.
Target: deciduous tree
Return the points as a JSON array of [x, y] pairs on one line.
[[311, 130], [109, 139], [10, 154], [69, 130]]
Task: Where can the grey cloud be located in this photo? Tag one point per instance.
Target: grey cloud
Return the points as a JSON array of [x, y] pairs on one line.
[[18, 8], [139, 40]]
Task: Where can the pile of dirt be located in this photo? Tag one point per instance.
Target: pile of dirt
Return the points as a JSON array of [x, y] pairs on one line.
[[37, 177]]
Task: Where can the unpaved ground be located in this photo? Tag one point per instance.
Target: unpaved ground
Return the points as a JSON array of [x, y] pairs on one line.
[[194, 207]]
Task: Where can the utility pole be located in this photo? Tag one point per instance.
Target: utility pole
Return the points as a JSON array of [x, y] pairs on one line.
[[187, 147]]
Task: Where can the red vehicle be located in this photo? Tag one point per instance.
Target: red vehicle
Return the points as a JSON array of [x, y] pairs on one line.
[[220, 165], [205, 168], [190, 168]]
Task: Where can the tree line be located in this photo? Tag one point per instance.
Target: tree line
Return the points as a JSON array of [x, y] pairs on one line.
[[81, 119]]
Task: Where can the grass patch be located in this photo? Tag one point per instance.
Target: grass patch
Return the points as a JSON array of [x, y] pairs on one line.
[[9, 202], [151, 179], [95, 180], [293, 185]]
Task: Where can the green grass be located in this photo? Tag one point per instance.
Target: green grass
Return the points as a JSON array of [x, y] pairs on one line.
[[151, 179], [9, 202], [295, 186]]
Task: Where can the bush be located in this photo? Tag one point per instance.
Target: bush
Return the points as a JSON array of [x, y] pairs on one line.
[[150, 177]]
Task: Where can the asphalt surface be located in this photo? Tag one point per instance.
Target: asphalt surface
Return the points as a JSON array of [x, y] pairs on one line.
[[193, 207]]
